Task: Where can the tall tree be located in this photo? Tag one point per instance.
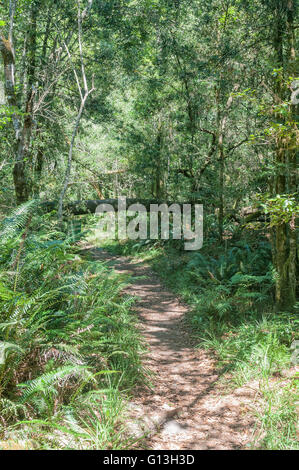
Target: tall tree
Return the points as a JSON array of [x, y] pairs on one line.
[[284, 235]]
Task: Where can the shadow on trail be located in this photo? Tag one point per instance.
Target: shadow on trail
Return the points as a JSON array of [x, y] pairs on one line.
[[185, 377]]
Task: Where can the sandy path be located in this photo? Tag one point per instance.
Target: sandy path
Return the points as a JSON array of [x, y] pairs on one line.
[[193, 410]]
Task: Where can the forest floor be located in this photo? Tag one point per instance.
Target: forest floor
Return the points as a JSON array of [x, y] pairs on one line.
[[188, 406]]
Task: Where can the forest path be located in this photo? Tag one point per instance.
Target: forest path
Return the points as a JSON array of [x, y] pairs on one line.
[[187, 407]]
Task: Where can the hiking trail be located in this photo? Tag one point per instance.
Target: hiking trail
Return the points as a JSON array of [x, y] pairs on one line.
[[188, 408]]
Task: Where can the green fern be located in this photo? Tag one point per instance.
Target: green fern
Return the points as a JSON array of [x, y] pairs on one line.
[[17, 221]]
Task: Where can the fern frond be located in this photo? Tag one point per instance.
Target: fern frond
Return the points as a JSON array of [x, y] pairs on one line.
[[17, 220], [47, 383]]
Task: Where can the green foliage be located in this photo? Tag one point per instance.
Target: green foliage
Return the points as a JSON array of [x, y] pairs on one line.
[[230, 296], [193, 101], [282, 208], [67, 336], [240, 263], [279, 417]]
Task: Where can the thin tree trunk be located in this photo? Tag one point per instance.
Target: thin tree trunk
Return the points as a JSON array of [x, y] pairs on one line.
[[222, 122], [70, 156], [84, 92]]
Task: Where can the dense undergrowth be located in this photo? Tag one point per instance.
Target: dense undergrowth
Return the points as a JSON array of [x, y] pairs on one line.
[[230, 291], [69, 349]]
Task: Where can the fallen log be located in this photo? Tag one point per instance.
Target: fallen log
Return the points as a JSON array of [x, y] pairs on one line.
[[89, 206]]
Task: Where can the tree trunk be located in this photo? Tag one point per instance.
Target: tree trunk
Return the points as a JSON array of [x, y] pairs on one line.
[[84, 93], [283, 234], [221, 124], [89, 206], [23, 130], [221, 197], [70, 156]]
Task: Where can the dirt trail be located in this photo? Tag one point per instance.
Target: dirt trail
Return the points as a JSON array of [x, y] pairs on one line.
[[188, 408]]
